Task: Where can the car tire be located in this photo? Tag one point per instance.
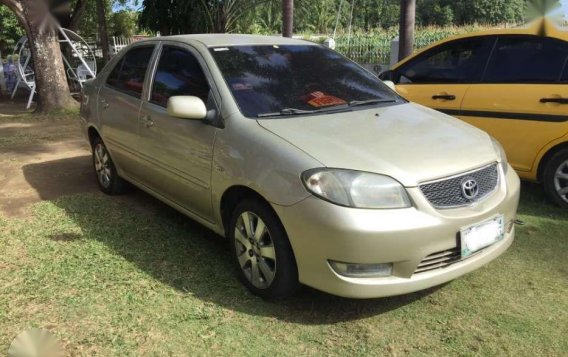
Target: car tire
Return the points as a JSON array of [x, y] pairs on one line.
[[555, 178], [262, 254], [105, 171]]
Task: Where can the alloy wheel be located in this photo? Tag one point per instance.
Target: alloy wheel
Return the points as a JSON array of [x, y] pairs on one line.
[[102, 165], [561, 181], [255, 250]]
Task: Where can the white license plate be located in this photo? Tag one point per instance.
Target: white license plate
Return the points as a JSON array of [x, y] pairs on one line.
[[481, 235]]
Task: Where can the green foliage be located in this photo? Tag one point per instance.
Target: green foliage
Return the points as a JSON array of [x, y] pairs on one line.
[[89, 22], [491, 11], [369, 15], [123, 23], [194, 16], [374, 46], [446, 12], [171, 19], [10, 30], [322, 16], [434, 12]]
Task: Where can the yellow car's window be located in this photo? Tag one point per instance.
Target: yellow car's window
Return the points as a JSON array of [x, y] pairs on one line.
[[455, 62], [526, 59]]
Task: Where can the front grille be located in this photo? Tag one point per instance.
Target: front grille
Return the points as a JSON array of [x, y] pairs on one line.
[[439, 260], [448, 192]]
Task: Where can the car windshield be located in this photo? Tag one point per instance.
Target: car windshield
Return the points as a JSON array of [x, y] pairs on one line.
[[271, 81]]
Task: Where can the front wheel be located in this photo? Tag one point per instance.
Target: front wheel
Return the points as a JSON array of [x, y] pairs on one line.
[[555, 178], [261, 252]]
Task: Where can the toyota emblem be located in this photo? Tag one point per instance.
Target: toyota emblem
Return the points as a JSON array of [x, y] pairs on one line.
[[470, 189]]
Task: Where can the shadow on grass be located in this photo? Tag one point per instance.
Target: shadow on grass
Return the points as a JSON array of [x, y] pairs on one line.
[[534, 203], [178, 252]]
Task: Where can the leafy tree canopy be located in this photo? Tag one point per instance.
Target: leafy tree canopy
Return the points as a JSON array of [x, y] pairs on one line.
[[265, 16], [10, 30]]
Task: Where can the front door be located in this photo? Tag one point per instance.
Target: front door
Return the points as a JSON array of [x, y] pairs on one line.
[[178, 153], [440, 77], [523, 100]]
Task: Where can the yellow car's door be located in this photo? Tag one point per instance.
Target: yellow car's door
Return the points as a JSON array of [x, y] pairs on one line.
[[440, 77], [523, 99]]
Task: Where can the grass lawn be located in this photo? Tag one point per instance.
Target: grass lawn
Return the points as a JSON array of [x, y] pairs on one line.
[[114, 280], [118, 276]]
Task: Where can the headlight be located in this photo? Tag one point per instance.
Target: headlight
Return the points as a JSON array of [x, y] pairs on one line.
[[501, 153], [356, 189]]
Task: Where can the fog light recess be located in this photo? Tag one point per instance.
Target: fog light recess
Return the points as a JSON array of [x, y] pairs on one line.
[[362, 270]]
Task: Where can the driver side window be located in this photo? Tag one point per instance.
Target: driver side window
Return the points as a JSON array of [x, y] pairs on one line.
[[459, 61]]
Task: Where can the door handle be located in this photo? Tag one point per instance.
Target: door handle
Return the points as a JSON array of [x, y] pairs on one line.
[[147, 120], [104, 103], [444, 97], [554, 100]]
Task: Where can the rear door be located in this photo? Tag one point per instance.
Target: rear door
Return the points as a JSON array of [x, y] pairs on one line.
[[178, 153], [119, 102], [523, 100], [440, 77]]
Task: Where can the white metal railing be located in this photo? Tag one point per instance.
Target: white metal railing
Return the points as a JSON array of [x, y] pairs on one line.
[[118, 43]]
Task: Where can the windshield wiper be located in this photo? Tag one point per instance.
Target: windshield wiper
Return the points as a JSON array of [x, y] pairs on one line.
[[356, 103], [296, 111]]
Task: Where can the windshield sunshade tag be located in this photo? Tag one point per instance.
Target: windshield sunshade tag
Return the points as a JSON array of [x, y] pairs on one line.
[[320, 99]]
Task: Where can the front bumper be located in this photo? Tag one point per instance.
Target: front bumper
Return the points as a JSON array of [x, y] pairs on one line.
[[320, 231]]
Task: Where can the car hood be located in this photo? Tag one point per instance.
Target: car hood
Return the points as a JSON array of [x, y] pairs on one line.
[[408, 142]]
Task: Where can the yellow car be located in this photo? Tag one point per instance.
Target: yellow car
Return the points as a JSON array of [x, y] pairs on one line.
[[511, 83]]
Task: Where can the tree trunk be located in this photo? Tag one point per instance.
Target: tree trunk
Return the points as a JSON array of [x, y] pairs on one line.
[[103, 33], [77, 15], [406, 31], [51, 81], [287, 18]]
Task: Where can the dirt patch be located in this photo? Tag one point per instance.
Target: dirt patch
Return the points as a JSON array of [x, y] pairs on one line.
[[46, 158], [40, 159]]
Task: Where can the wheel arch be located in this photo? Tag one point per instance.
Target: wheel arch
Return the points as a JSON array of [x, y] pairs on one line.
[[547, 156], [232, 197], [92, 134]]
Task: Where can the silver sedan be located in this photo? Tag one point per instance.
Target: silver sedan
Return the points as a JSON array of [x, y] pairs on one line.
[[315, 171]]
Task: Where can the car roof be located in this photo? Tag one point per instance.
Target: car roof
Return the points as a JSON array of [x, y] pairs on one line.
[[217, 40], [540, 27]]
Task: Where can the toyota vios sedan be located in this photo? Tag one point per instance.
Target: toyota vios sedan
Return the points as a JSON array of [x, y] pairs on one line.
[[314, 170]]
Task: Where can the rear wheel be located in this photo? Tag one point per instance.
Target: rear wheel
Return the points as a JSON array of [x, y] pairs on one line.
[[555, 178], [107, 176], [261, 252]]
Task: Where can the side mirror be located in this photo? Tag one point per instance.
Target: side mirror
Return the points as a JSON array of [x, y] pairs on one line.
[[386, 75], [187, 107], [390, 84]]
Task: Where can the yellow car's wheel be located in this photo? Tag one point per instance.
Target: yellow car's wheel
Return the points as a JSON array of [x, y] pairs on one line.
[[555, 178]]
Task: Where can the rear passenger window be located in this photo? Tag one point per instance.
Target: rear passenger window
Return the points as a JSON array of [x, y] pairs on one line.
[[565, 75], [522, 59], [178, 73], [128, 75]]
